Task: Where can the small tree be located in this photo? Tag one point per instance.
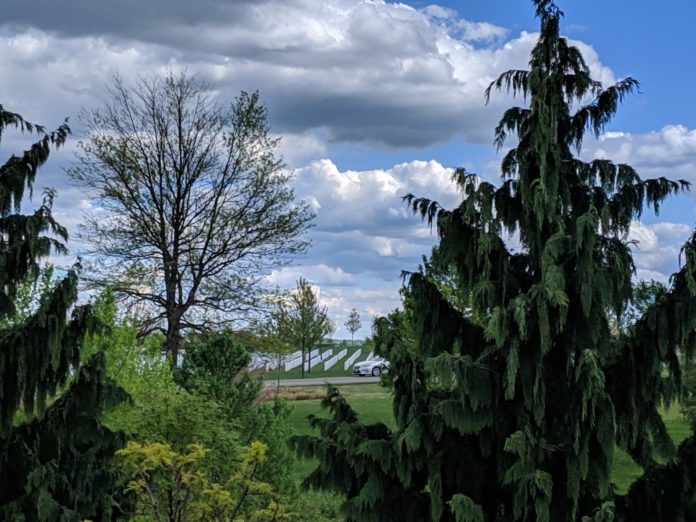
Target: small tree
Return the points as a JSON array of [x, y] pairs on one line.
[[275, 336], [331, 330], [172, 487], [353, 324], [54, 449], [193, 205], [217, 366], [302, 321]]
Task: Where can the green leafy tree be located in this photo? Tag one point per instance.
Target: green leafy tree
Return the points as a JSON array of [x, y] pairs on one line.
[[302, 321], [511, 410], [353, 324], [30, 293], [644, 295], [217, 366], [54, 449], [269, 423], [272, 337], [170, 486]]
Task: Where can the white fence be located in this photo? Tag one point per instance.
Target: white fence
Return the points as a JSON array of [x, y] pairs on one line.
[[333, 360], [326, 354], [350, 360]]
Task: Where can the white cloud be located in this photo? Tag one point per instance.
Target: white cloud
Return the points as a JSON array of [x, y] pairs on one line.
[[656, 253], [297, 149], [320, 274], [370, 200], [670, 151], [355, 70]]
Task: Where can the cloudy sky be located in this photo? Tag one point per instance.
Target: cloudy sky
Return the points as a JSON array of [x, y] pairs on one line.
[[372, 99]]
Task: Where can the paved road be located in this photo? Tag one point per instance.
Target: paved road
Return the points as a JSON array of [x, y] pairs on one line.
[[323, 380]]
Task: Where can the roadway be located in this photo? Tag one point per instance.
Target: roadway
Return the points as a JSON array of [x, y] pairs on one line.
[[320, 381]]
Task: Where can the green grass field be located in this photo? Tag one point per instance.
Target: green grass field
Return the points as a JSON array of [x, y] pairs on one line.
[[373, 404]]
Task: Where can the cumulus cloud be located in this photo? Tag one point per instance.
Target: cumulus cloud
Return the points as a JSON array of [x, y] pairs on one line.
[[657, 247], [670, 151], [357, 70], [319, 275], [298, 149], [341, 71], [370, 200]]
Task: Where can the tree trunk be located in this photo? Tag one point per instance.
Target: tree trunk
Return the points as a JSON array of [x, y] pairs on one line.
[[280, 358], [172, 342], [303, 358]]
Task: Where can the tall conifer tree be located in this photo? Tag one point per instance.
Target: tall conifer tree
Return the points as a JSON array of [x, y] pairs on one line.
[[54, 451], [511, 409]]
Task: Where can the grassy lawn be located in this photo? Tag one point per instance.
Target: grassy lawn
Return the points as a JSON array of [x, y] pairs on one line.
[[373, 404], [625, 471]]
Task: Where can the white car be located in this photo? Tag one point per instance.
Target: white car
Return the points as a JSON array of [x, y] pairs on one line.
[[374, 367]]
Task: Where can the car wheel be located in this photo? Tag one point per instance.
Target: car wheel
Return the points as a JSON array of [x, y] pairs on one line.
[[376, 371]]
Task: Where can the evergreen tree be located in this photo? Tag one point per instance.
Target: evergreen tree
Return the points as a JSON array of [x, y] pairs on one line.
[[216, 366], [511, 410], [54, 451]]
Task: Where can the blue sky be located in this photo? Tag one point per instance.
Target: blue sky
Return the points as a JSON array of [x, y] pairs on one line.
[[373, 99]]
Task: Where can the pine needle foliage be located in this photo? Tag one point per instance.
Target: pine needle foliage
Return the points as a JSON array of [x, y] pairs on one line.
[[54, 451], [511, 409]]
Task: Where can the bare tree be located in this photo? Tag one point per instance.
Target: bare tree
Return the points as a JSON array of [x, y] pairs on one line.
[[191, 206], [353, 324]]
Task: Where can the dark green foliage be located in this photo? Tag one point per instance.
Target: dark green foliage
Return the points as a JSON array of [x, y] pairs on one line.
[[509, 407], [216, 366], [57, 467], [688, 401], [53, 459]]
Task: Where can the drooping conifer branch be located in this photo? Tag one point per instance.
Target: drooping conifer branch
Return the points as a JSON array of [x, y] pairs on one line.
[[54, 460], [510, 409]]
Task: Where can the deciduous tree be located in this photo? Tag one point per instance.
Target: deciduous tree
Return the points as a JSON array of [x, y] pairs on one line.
[[193, 205], [302, 321], [353, 324]]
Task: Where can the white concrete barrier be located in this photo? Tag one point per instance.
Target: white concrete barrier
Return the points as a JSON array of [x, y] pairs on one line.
[[350, 360], [333, 360], [294, 363], [292, 356], [308, 365], [326, 354]]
